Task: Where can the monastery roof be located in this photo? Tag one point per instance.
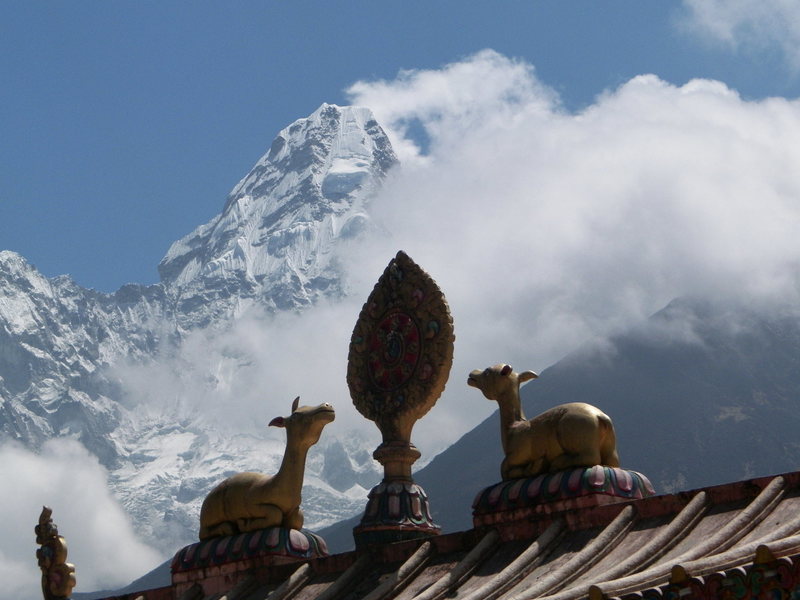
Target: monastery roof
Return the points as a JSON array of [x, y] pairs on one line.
[[734, 536]]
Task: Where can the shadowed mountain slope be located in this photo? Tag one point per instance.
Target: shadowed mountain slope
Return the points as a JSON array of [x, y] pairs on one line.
[[700, 394]]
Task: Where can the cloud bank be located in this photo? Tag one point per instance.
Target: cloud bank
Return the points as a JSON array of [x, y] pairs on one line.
[[749, 24], [102, 544], [546, 228], [241, 376]]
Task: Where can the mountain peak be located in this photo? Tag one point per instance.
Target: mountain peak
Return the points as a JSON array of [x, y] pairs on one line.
[[272, 240], [10, 260]]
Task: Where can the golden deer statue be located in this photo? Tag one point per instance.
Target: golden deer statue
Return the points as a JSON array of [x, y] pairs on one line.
[[249, 501], [570, 435]]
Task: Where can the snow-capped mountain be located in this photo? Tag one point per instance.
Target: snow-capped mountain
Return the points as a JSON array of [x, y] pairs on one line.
[[274, 241], [273, 248], [54, 336]]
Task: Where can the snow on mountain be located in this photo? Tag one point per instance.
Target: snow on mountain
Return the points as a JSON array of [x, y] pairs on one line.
[[273, 248], [273, 243], [54, 337]]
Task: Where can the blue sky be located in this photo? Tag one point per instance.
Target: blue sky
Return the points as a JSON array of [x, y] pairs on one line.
[[125, 124], [578, 196]]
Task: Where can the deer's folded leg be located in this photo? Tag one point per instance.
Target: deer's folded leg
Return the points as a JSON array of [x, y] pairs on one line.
[[294, 519]]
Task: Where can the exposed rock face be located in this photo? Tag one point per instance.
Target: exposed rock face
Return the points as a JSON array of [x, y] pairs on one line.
[[273, 247]]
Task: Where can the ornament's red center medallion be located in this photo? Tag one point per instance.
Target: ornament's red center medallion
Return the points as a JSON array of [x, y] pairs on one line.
[[393, 351]]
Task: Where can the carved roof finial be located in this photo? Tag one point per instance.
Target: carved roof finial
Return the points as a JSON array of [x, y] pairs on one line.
[[400, 357], [401, 350], [58, 576]]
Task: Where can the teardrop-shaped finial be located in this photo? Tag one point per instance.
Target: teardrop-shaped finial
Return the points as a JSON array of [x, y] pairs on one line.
[[401, 350]]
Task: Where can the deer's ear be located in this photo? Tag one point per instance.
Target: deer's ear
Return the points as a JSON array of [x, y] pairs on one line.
[[295, 403], [526, 376], [506, 370], [278, 422]]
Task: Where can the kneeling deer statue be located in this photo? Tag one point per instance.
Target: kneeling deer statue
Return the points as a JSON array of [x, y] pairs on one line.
[[249, 501], [569, 435]]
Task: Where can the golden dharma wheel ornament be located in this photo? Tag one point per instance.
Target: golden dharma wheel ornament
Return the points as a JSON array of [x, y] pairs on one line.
[[401, 350], [400, 357]]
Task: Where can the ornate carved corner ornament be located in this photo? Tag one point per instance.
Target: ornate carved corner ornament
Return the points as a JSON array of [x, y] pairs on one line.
[[401, 352], [58, 576]]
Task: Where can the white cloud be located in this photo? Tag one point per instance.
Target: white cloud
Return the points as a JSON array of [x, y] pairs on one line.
[[543, 228], [546, 228], [751, 24], [242, 376], [462, 93], [101, 542]]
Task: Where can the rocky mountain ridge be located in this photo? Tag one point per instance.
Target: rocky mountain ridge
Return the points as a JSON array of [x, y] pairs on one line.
[[273, 248]]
